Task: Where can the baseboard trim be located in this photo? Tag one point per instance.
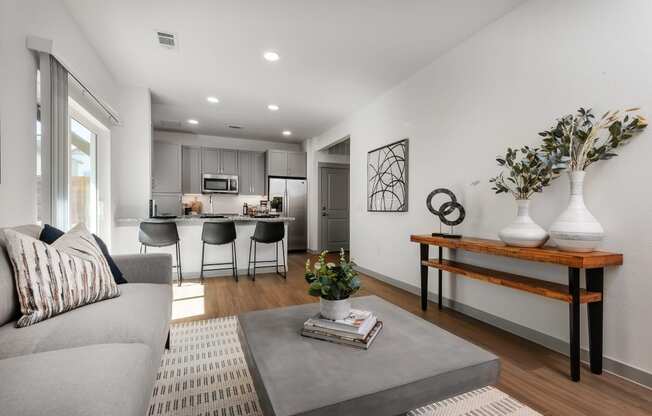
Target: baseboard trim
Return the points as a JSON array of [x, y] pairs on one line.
[[612, 366]]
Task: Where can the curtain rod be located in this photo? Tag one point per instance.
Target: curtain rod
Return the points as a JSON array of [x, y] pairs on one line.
[[42, 45]]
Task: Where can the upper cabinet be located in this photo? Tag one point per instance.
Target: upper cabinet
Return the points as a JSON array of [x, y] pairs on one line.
[[166, 167], [286, 163], [251, 171], [219, 161], [191, 170]]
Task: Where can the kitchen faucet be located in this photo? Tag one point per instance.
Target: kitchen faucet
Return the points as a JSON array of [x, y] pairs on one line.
[[210, 201]]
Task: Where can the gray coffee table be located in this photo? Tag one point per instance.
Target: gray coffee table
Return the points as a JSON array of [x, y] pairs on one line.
[[412, 363]]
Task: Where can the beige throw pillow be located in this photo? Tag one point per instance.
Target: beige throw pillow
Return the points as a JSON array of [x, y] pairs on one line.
[[53, 279]]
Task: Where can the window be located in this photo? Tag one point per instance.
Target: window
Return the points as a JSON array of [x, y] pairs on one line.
[[82, 191]]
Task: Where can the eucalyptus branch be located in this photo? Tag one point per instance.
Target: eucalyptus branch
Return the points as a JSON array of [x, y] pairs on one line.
[[529, 172]]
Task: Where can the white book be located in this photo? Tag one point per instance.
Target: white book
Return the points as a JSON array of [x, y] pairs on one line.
[[357, 323]]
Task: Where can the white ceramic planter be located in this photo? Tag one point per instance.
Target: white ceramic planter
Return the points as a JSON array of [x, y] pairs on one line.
[[523, 231], [576, 229], [334, 309]]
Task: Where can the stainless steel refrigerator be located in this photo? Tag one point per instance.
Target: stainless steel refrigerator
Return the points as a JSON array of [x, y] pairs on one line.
[[291, 197]]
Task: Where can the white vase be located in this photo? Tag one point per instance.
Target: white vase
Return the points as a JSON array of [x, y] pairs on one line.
[[576, 229], [334, 309], [523, 231]]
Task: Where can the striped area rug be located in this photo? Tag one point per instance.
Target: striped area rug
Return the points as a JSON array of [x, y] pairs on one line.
[[205, 374]]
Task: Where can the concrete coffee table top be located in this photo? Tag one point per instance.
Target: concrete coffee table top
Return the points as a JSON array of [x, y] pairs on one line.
[[410, 364]]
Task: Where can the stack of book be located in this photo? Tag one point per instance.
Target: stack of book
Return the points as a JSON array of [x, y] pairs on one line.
[[359, 329]]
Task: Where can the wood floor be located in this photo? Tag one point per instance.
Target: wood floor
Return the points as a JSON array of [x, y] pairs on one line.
[[532, 374]]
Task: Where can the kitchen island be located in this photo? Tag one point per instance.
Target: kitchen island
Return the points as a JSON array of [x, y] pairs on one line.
[[190, 230]]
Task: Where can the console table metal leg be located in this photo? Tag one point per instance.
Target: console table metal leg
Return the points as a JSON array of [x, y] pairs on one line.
[[440, 275], [574, 322], [424, 275], [595, 283]]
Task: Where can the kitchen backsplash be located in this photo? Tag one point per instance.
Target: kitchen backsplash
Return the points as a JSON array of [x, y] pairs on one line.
[[223, 203]]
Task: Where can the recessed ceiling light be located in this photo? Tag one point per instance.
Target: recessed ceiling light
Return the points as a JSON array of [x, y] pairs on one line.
[[192, 121], [271, 56], [287, 133], [213, 100], [273, 107]]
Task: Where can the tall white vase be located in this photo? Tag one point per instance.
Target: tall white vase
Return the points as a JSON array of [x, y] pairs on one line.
[[576, 229], [523, 231]]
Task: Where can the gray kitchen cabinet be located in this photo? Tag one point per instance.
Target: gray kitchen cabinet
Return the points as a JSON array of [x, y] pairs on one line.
[[297, 164], [168, 204], [166, 167], [258, 165], [191, 170], [277, 163], [210, 161], [251, 171], [228, 162], [286, 163]]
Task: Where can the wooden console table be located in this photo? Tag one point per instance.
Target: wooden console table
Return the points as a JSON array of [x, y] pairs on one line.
[[573, 294]]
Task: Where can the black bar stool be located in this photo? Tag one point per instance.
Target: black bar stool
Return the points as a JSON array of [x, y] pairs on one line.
[[268, 233], [218, 233], [161, 234]]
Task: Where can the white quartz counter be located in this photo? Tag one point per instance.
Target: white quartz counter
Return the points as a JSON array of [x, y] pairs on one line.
[[198, 220]]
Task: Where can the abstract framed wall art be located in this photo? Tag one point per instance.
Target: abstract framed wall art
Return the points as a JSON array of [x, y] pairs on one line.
[[387, 177]]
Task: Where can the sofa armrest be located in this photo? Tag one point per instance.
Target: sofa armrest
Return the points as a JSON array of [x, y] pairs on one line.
[[145, 268]]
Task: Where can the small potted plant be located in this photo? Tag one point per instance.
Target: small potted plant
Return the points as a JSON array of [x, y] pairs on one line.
[[529, 171], [575, 142], [333, 284]]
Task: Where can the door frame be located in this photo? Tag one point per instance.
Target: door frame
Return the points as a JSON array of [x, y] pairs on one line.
[[320, 232]]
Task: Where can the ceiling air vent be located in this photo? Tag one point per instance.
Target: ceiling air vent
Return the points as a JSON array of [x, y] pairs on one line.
[[166, 39], [234, 126]]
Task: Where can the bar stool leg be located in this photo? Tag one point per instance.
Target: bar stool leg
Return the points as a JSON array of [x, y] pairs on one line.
[[249, 264], [254, 278], [201, 272], [234, 261], [285, 269], [179, 273], [277, 257]]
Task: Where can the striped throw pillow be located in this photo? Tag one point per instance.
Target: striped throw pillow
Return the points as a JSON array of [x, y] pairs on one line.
[[53, 279]]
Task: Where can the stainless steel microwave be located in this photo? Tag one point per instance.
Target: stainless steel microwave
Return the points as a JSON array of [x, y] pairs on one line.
[[219, 184]]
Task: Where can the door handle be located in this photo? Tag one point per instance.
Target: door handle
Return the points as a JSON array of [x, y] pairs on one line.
[[323, 214]]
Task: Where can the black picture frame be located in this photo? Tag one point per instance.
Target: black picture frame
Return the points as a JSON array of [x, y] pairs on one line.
[[387, 177]]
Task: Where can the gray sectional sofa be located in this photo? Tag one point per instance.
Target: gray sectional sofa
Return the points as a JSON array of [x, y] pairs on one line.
[[100, 359]]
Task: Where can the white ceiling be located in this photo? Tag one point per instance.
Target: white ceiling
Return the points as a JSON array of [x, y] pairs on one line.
[[336, 55]]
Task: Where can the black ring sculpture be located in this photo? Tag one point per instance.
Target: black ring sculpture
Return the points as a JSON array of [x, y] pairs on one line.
[[446, 209]]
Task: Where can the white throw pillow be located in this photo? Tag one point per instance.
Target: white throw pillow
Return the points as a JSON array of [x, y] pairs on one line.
[[53, 279]]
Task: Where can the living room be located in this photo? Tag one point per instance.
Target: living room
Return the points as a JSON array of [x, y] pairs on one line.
[[436, 149]]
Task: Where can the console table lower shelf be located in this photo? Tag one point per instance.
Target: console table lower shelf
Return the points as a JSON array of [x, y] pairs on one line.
[[572, 294]]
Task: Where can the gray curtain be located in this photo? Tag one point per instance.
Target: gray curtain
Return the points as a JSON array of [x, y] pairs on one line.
[[55, 147]]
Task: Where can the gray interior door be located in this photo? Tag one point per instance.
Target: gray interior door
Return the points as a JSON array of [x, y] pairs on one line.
[[334, 208]]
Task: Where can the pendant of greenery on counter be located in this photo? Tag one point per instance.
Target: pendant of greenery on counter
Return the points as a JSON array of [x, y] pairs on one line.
[[529, 170], [333, 284], [575, 142]]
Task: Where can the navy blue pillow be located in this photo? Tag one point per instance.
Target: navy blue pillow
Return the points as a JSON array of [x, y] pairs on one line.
[[50, 234]]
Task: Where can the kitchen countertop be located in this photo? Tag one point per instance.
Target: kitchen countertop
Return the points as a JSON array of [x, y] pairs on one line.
[[197, 220]]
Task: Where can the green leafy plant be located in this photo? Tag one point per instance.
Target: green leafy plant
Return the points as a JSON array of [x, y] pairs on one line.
[[332, 281], [575, 142], [529, 171]]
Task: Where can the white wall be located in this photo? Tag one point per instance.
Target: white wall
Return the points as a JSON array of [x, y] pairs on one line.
[[498, 89], [223, 142]]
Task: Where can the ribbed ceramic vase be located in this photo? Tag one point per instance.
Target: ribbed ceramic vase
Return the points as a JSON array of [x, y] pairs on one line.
[[576, 229], [523, 231]]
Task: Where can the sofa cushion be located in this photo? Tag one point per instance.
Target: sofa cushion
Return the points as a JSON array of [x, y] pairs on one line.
[[53, 279], [105, 379], [140, 314], [50, 234], [9, 305]]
